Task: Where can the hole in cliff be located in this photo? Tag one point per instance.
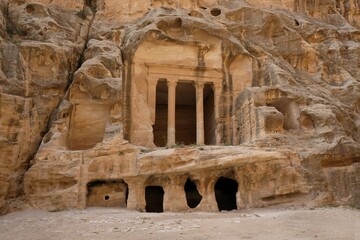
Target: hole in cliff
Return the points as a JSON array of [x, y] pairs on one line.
[[106, 193], [30, 9], [193, 196], [215, 12], [225, 193], [154, 197], [296, 22], [177, 23], [306, 121]]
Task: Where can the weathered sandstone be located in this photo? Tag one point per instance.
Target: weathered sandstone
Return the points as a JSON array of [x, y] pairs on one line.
[[111, 104]]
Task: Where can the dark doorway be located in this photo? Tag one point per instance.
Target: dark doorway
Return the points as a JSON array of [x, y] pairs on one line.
[[209, 115], [107, 193], [154, 197], [161, 114], [185, 116], [193, 197], [225, 193]]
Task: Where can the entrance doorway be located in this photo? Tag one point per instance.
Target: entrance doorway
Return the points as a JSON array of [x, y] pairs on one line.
[[225, 193], [193, 197], [209, 115], [154, 197], [107, 194], [161, 114], [185, 115]]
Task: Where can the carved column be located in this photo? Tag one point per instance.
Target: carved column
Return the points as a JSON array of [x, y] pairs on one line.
[[200, 135], [151, 96], [217, 93], [171, 111]]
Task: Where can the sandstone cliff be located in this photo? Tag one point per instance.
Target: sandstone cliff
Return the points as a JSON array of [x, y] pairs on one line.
[[84, 101]]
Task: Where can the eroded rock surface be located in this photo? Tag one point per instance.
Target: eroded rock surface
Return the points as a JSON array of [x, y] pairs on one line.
[[102, 101]]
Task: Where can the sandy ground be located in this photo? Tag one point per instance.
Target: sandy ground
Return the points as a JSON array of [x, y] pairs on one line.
[[109, 224]]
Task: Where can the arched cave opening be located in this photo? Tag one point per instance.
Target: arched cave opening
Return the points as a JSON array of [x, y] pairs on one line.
[[107, 193], [193, 197], [225, 193], [154, 197]]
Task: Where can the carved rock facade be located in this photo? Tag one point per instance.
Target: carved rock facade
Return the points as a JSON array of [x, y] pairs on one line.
[[177, 105]]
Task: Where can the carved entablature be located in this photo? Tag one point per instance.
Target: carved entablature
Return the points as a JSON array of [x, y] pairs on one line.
[[185, 73]]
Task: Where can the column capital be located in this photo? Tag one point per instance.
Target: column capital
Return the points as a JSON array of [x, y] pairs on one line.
[[199, 84], [171, 82], [152, 80]]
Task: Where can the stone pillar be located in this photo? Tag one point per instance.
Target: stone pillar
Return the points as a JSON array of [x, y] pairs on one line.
[[82, 191], [171, 111], [175, 196], [200, 135], [217, 93], [136, 198], [151, 96]]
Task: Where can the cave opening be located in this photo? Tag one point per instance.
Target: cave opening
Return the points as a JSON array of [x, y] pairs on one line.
[[225, 193], [215, 12], [105, 193], [154, 197], [193, 197]]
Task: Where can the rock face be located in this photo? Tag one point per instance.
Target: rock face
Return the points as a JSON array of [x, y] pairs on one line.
[[174, 105]]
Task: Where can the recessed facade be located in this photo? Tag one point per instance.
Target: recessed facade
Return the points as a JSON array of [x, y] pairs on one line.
[[180, 93]]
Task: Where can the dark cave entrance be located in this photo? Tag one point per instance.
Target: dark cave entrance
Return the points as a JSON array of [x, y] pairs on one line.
[[107, 193], [225, 193], [193, 197], [154, 197]]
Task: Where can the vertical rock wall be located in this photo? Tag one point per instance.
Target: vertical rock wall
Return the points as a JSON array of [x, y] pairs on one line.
[[73, 84]]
